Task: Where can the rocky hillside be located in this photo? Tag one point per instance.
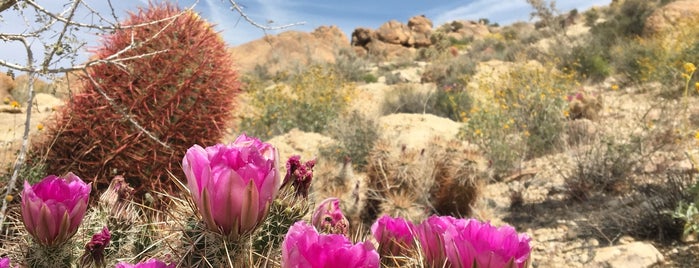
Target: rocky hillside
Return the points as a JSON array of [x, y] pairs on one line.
[[617, 148]]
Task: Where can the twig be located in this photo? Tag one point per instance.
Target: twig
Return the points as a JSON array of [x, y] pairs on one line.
[[25, 136], [237, 8], [123, 112]]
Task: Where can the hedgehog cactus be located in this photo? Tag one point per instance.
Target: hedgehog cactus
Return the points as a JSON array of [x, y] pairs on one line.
[[446, 176], [458, 177], [174, 78]]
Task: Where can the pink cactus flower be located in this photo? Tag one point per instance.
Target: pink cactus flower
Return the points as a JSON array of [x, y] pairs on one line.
[[53, 208], [395, 235], [328, 217], [233, 185], [304, 247], [5, 262], [299, 175], [462, 243], [152, 263], [94, 250]]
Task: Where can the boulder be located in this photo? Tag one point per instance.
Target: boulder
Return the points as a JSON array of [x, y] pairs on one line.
[[672, 17], [635, 254], [362, 36], [291, 48], [421, 28], [6, 85], [394, 32]]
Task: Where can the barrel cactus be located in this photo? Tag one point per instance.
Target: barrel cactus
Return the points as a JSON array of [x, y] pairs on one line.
[[160, 84]]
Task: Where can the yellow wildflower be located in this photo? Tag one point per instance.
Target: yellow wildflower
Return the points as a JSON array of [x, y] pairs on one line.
[[615, 87], [477, 132], [14, 104], [6, 100], [40, 126], [696, 86], [689, 67]]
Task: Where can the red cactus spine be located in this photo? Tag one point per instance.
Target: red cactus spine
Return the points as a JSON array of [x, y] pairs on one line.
[[177, 82]]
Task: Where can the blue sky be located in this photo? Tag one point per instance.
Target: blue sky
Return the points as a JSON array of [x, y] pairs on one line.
[[347, 15]]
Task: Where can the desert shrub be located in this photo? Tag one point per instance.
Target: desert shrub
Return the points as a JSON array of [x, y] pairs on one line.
[[591, 17], [451, 101], [311, 100], [590, 61], [658, 58], [369, 78], [439, 50], [491, 130], [523, 119], [407, 98], [20, 92], [350, 67], [646, 211], [454, 70], [181, 95], [355, 134], [603, 168]]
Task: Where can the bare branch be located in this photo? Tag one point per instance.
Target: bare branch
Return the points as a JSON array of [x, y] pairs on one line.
[[25, 137], [5, 4], [123, 111], [237, 8], [57, 45]]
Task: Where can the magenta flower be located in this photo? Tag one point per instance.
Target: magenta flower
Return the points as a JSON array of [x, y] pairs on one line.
[[486, 245], [94, 250], [5, 262], [395, 235], [464, 242], [233, 185], [304, 247], [328, 217], [53, 208], [299, 175], [152, 263]]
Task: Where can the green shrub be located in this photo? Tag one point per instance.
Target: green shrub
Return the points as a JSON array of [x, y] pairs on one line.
[[524, 118], [603, 168], [355, 135], [311, 100], [450, 101], [590, 62]]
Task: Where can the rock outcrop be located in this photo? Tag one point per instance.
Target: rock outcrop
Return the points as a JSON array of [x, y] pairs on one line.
[[290, 49], [672, 17], [393, 39]]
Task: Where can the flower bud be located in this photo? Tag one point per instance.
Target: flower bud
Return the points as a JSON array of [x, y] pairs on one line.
[[53, 209]]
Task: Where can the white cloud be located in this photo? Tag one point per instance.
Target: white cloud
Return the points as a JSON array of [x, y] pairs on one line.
[[518, 10]]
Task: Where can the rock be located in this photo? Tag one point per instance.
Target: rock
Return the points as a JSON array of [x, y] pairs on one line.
[[421, 28], [394, 32], [291, 48], [636, 254], [393, 39], [672, 18], [6, 85], [297, 142], [388, 51], [460, 30], [362, 36], [416, 130]]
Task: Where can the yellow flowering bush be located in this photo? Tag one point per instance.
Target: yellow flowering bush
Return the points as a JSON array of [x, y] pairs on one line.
[[309, 101], [525, 117]]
